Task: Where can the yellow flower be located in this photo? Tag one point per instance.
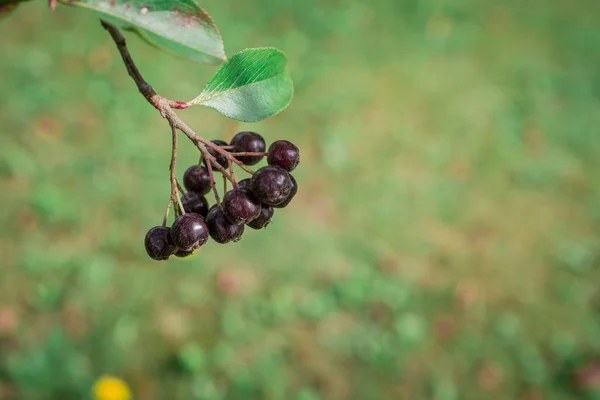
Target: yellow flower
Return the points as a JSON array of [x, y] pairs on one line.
[[111, 388]]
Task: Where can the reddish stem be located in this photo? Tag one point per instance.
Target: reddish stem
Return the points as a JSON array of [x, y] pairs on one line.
[[209, 165], [235, 184], [180, 105], [183, 193]]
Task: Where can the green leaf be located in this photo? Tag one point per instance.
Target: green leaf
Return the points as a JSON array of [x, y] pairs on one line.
[[253, 85], [180, 27]]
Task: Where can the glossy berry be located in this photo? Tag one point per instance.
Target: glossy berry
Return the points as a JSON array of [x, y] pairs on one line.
[[221, 159], [248, 142], [197, 179], [240, 206], [290, 196], [189, 232], [245, 183], [195, 203], [158, 243], [271, 185], [283, 154], [264, 219], [221, 230]]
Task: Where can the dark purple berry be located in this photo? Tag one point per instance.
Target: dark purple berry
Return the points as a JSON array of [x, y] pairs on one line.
[[264, 219], [195, 203], [240, 206], [221, 230], [248, 142], [197, 179], [290, 196], [221, 159], [189, 232], [245, 184], [271, 185], [283, 154], [158, 243], [183, 254]]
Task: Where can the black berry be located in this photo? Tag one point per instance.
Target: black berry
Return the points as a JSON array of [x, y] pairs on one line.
[[290, 196], [158, 243], [189, 232], [221, 230], [245, 183], [240, 206], [283, 154], [197, 179], [264, 219], [195, 203], [221, 159], [248, 142], [271, 185]]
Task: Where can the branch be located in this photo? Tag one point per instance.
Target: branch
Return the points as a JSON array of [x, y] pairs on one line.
[[144, 87], [166, 106], [174, 184]]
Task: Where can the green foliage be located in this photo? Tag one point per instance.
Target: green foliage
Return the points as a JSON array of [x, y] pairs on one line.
[[253, 85], [180, 27]]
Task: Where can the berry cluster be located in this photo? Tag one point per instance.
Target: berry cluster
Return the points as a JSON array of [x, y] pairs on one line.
[[250, 203]]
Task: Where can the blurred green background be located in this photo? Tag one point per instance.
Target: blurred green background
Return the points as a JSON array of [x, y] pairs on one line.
[[444, 243]]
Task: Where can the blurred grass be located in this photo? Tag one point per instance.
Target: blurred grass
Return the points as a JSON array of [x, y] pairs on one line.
[[444, 243]]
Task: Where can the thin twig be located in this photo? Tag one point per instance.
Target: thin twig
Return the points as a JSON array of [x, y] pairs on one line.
[[235, 184], [174, 184], [170, 115], [183, 193], [199, 141], [209, 165], [250, 153], [166, 218], [144, 87]]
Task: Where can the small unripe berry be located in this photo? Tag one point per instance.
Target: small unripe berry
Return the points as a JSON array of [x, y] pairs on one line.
[[184, 254]]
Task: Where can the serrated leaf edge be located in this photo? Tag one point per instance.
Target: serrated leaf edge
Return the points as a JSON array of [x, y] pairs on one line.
[[267, 116], [200, 99]]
